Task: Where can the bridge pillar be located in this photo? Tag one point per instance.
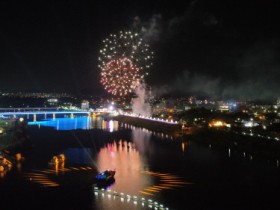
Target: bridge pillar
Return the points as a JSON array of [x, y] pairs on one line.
[[34, 117], [45, 115], [27, 116], [53, 115], [71, 115]]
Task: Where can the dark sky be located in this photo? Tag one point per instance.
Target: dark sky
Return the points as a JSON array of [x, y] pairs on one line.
[[228, 48]]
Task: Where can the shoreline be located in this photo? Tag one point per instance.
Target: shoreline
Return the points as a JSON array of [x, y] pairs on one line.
[[218, 139], [15, 137], [171, 129], [254, 146]]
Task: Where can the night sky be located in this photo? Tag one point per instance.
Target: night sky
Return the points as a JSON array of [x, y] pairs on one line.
[[228, 49]]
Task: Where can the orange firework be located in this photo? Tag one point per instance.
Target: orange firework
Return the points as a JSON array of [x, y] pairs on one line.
[[124, 62]]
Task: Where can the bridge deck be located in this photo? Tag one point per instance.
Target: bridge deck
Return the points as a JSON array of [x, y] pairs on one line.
[[43, 112]]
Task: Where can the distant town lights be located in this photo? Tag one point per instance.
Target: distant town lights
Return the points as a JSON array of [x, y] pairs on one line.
[[111, 108]]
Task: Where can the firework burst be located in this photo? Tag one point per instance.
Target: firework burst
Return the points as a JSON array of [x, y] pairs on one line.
[[124, 60]]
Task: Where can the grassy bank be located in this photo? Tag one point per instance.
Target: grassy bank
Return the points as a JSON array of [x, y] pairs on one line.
[[13, 134]]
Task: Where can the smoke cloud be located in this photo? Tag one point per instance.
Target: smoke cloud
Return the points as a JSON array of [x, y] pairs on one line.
[[208, 58], [151, 29], [141, 140], [199, 52], [140, 104]]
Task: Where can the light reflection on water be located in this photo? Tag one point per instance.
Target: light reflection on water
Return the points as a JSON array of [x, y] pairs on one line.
[[129, 166], [87, 123], [134, 160], [82, 122], [147, 165], [124, 155]]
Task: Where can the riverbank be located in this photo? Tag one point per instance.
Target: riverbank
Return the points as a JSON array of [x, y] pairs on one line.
[[170, 129], [218, 139], [13, 135], [6, 137]]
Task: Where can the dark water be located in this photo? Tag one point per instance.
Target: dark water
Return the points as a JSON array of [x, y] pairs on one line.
[[172, 173]]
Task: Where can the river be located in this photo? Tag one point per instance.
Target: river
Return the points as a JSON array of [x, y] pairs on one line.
[[153, 171]]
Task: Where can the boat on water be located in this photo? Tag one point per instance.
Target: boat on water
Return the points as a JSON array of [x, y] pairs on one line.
[[106, 177]]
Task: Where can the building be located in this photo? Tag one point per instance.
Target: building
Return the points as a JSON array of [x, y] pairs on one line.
[[85, 105]]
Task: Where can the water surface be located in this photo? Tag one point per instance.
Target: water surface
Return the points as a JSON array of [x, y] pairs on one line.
[[176, 174]]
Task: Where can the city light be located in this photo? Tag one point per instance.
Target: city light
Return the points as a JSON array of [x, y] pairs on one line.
[[218, 123]]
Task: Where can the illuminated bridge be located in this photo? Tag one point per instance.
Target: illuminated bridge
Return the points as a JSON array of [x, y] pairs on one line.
[[47, 111], [25, 109], [39, 111]]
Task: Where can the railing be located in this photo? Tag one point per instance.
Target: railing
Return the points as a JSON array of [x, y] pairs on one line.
[[38, 111], [20, 109]]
